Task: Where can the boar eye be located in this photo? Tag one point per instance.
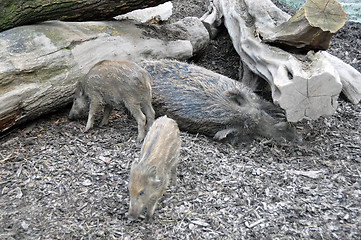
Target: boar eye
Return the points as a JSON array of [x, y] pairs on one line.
[[141, 193]]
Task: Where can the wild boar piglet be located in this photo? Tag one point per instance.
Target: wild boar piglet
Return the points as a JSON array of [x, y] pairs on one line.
[[111, 84], [156, 167]]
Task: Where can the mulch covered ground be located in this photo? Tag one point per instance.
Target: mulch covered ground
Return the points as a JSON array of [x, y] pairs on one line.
[[57, 182]]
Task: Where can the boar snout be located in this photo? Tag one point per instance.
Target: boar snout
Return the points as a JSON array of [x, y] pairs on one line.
[[72, 116], [75, 114], [288, 133], [135, 211]]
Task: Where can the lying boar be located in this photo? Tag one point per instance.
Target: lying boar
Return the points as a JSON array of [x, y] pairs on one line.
[[156, 167], [113, 83], [202, 101]]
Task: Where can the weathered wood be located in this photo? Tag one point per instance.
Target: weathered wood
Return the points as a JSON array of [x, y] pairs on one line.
[[305, 86], [350, 78], [162, 12], [40, 64], [16, 13], [311, 27]]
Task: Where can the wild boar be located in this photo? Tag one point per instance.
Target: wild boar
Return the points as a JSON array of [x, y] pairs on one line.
[[156, 167], [111, 84], [205, 102]]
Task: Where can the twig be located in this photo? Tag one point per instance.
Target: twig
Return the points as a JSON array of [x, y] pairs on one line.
[[254, 223], [6, 158]]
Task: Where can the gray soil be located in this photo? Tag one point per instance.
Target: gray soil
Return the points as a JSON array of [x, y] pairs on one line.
[[57, 182]]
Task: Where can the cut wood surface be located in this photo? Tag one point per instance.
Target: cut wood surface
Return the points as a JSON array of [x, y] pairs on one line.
[[305, 86], [311, 27], [17, 13], [40, 64]]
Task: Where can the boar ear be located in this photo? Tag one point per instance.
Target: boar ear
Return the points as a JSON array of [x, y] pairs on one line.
[[81, 91], [236, 97], [78, 89], [152, 174]]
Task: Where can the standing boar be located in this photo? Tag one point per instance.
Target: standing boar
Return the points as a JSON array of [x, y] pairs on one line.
[[156, 167], [112, 83], [202, 101]]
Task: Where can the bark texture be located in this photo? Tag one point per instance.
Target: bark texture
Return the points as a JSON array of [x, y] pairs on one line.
[[16, 13]]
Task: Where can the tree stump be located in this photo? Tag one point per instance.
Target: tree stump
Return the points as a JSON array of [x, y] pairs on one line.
[[312, 27]]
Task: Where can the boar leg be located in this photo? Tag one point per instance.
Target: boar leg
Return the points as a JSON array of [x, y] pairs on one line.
[[149, 113], [107, 110], [140, 117], [150, 209], [91, 117]]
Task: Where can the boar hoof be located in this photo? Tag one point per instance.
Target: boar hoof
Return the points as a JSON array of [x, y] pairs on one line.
[[102, 124], [139, 139], [148, 219], [132, 219]]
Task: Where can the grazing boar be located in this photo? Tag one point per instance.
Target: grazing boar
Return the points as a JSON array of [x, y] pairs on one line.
[[113, 83], [156, 167], [202, 101]]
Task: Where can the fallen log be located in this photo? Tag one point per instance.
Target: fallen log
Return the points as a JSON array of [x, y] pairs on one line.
[[17, 13], [40, 64], [306, 86]]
